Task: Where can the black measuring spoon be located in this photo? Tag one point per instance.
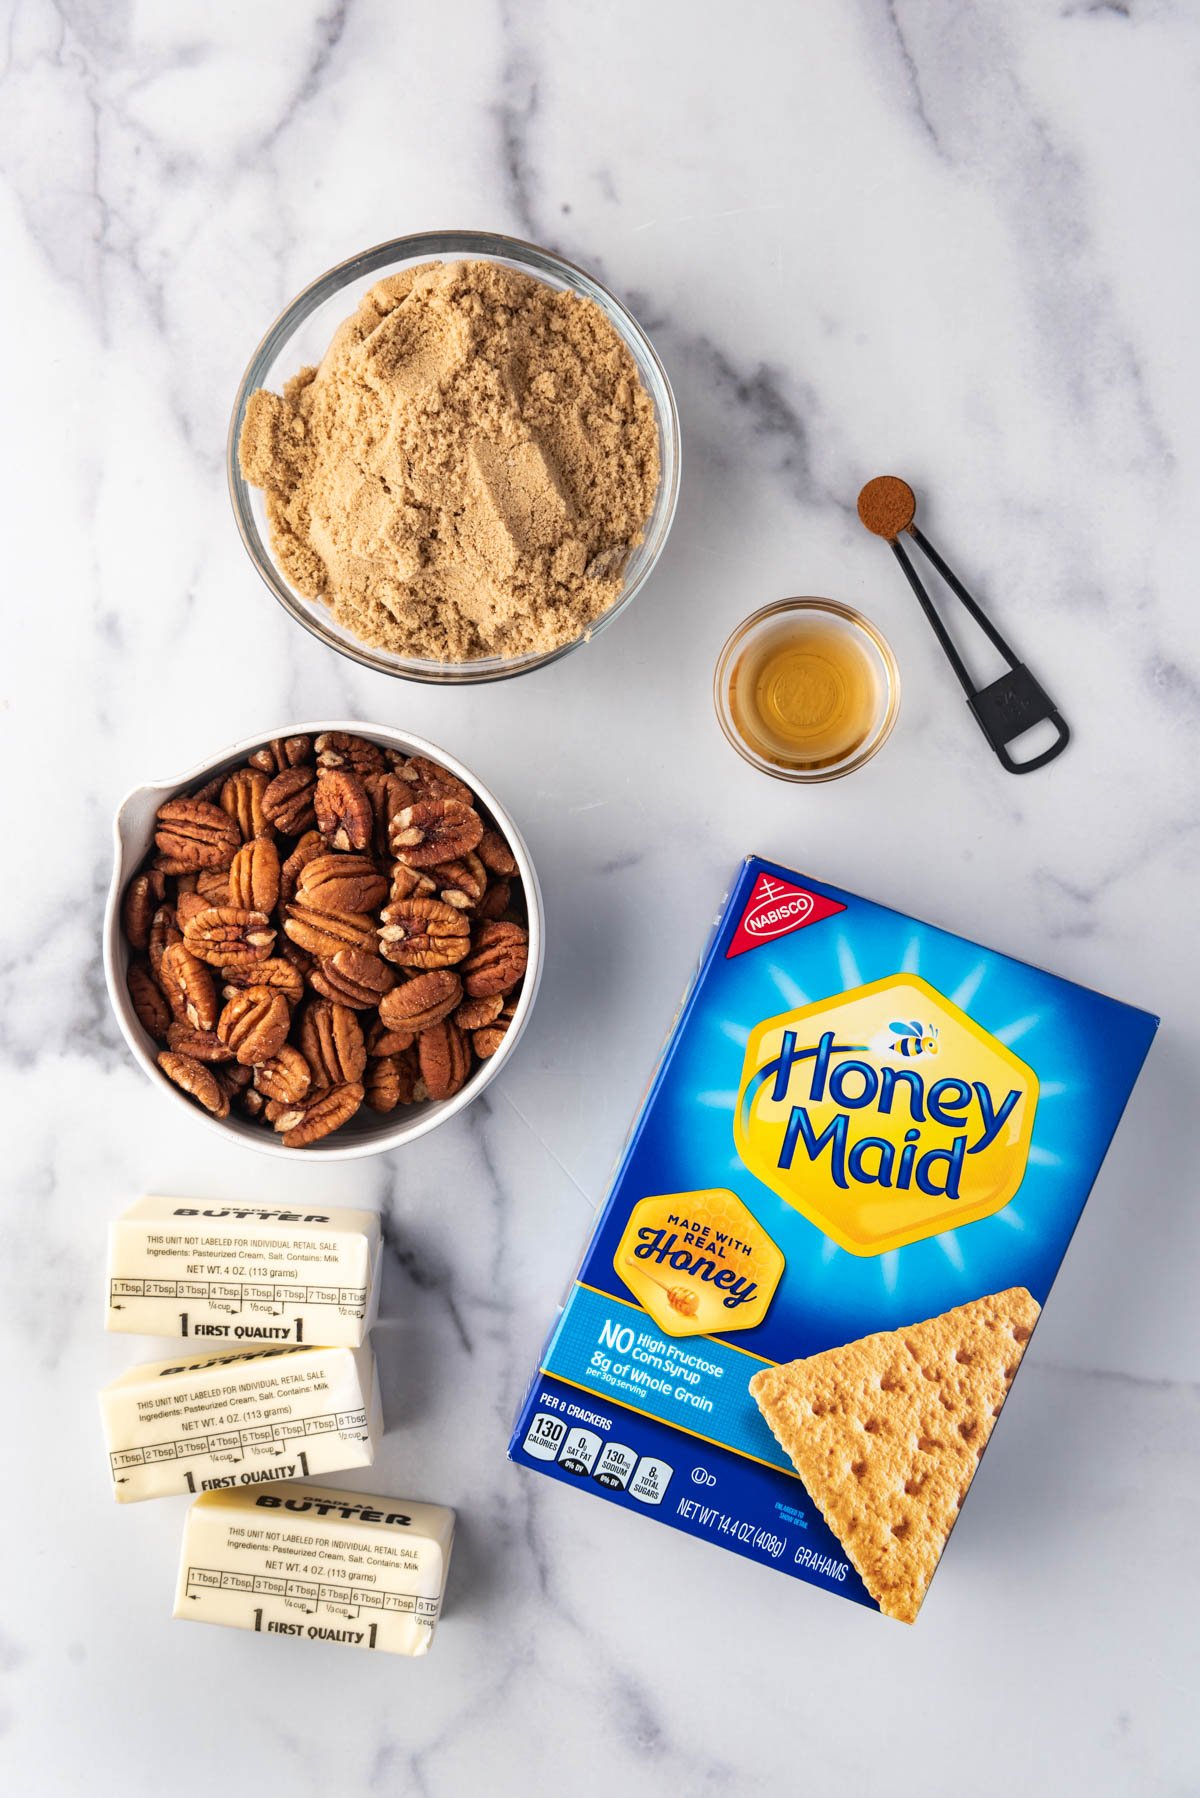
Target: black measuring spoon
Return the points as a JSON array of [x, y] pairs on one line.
[[1009, 705]]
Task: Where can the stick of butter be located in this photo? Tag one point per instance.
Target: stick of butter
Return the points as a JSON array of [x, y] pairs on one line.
[[312, 1562], [205, 1422], [243, 1273]]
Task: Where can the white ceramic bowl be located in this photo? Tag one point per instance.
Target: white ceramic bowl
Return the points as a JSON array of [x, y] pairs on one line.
[[368, 1133]]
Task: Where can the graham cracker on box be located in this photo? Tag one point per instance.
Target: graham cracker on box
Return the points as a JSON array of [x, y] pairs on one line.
[[886, 1433]]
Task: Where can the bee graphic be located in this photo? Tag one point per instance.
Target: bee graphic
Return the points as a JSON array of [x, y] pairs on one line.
[[915, 1038]]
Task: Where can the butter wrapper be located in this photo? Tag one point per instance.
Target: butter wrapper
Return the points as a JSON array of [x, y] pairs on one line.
[[244, 1274]]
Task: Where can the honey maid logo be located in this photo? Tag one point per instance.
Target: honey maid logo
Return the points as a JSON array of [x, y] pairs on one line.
[[885, 1114]]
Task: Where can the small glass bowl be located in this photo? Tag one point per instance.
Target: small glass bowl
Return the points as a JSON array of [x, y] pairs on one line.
[[757, 629], [299, 338]]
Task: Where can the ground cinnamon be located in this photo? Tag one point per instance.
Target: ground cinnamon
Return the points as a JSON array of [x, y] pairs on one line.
[[886, 506]]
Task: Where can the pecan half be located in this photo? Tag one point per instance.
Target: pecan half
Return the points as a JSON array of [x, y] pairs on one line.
[[197, 1081], [308, 1123], [420, 1003], [213, 884], [281, 753], [189, 905], [461, 883], [275, 972], [496, 900], [288, 801], [388, 794], [354, 977], [344, 815], [227, 936], [429, 780], [310, 845], [477, 1014], [434, 831], [242, 797], [143, 896], [496, 855], [233, 1078], [254, 876], [334, 883], [331, 1041], [485, 1042], [497, 960], [188, 987], [423, 933], [164, 930], [323, 933], [383, 1041], [210, 792], [392, 1080], [200, 1045], [285, 1077], [255, 1024], [191, 833], [445, 1059], [146, 996], [342, 749], [410, 883]]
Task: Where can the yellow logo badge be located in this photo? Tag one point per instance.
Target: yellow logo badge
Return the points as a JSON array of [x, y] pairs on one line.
[[698, 1262], [885, 1115]]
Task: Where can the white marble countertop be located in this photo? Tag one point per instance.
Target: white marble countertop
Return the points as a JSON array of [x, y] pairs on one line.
[[956, 241]]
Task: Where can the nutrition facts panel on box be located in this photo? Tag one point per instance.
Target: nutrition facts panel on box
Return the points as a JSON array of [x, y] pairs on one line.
[[238, 1293], [611, 1464], [259, 1440]]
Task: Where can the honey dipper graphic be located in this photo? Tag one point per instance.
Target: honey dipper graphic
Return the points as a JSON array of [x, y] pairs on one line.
[[680, 1298]]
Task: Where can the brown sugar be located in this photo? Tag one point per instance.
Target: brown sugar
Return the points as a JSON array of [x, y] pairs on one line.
[[468, 469]]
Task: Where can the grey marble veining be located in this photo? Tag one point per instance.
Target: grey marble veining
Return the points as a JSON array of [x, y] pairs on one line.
[[955, 241]]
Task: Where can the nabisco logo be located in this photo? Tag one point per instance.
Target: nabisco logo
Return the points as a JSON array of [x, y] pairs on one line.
[[772, 916], [775, 908]]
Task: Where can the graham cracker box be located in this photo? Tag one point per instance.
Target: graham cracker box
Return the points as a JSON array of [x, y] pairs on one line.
[[858, 1166]]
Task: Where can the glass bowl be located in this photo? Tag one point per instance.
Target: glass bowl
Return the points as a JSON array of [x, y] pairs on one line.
[[301, 335], [790, 620]]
